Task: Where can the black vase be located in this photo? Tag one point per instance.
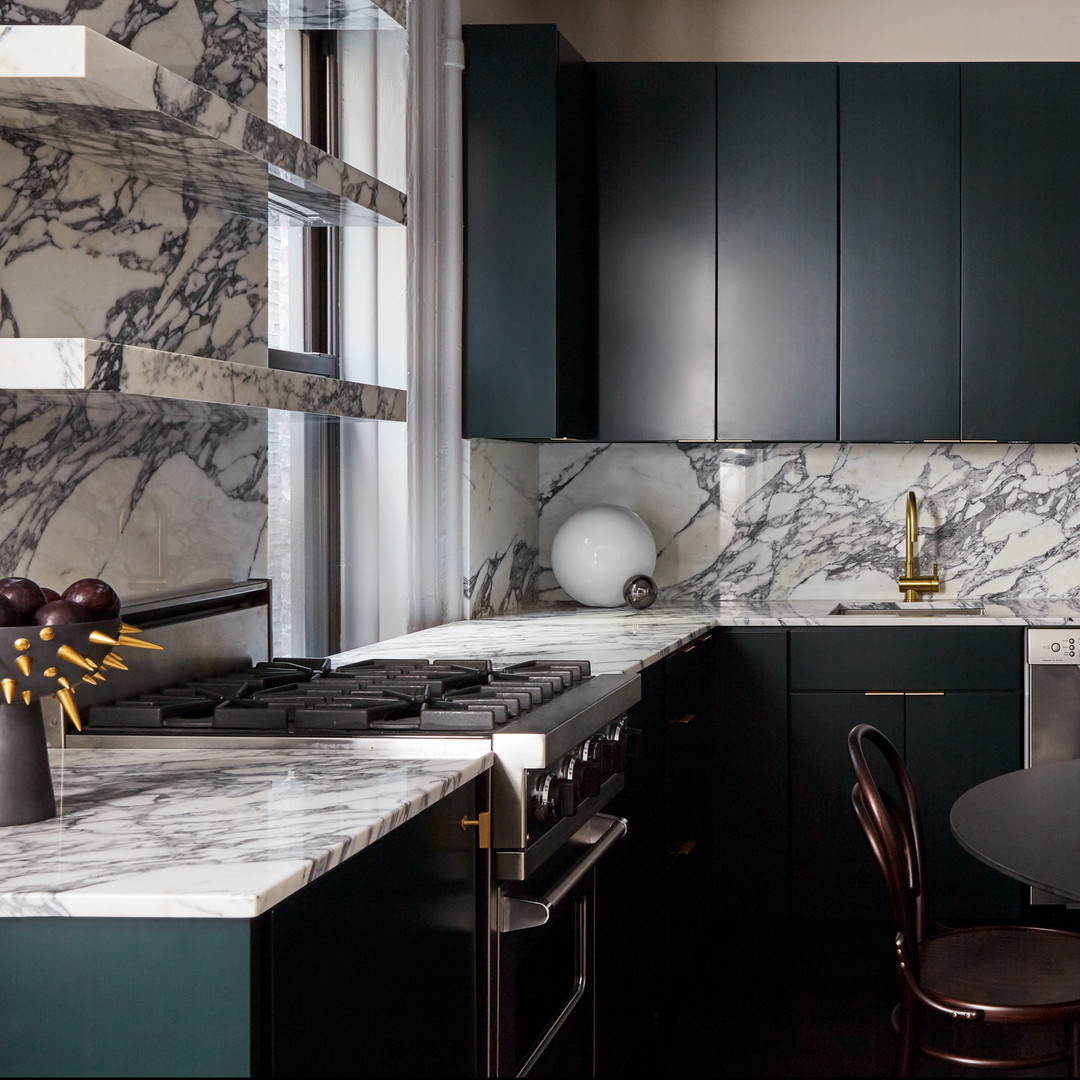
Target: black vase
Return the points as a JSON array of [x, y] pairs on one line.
[[26, 788]]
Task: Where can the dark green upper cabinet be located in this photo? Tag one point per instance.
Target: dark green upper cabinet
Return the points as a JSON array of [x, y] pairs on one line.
[[899, 252], [776, 279], [529, 319], [656, 223], [1021, 238]]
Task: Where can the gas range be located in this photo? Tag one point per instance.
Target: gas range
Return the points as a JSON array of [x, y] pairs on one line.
[[559, 734]]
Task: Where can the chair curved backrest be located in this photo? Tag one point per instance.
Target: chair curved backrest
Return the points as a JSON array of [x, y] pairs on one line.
[[893, 827]]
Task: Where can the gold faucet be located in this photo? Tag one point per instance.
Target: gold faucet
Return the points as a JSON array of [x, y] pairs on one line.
[[911, 584]]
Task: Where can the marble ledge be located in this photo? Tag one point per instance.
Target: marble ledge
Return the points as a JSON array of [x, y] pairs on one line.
[[625, 640], [84, 364], [74, 89], [208, 834], [325, 14]]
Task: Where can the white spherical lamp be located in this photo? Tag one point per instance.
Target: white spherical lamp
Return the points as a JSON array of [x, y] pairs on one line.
[[597, 550]]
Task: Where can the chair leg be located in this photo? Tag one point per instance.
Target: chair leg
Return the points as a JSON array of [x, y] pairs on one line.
[[1073, 1032], [906, 1023]]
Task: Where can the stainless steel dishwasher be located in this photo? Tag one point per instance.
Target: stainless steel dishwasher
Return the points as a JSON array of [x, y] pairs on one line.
[[1053, 705]]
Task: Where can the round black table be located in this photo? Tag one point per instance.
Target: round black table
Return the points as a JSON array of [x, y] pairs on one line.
[[1027, 825]]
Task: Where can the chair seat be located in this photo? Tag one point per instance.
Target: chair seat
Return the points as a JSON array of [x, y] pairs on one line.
[[1007, 968]]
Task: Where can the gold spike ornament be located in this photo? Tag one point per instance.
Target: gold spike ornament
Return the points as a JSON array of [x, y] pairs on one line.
[[72, 656], [8, 686], [24, 664], [67, 699], [135, 643]]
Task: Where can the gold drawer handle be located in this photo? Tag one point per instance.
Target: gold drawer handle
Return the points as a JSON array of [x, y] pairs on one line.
[[883, 693], [683, 847], [482, 821]]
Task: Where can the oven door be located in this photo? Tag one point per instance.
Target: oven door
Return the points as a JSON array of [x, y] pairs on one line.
[[544, 1008]]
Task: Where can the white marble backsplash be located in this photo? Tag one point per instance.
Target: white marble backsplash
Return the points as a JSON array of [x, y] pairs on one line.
[[503, 526], [153, 501], [780, 521]]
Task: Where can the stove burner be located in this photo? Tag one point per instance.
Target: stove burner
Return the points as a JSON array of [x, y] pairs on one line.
[[378, 696]]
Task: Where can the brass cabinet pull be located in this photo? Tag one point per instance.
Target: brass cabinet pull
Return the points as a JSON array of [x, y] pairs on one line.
[[684, 719], [482, 821], [903, 693], [683, 847], [688, 648]]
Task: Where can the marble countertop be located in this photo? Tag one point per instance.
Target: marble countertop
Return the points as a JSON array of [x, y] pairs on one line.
[[624, 640], [207, 833], [230, 833]]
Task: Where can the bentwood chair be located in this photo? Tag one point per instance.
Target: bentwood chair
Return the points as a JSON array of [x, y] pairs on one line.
[[1020, 975]]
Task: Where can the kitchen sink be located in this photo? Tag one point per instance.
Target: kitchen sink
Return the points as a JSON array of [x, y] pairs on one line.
[[916, 609]]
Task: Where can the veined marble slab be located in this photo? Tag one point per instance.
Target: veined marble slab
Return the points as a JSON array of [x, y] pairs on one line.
[[85, 364], [325, 14], [622, 639], [71, 88], [205, 833]]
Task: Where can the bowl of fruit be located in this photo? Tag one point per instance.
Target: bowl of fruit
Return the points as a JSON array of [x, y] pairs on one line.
[[50, 642]]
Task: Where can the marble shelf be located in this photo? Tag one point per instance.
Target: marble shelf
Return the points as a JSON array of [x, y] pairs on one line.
[[326, 14], [83, 364], [74, 89]]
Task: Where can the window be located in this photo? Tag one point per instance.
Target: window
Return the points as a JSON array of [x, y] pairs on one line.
[[338, 489]]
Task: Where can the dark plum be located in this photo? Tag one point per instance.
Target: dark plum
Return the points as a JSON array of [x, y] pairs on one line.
[[62, 612], [8, 615], [24, 595], [97, 596], [50, 594]]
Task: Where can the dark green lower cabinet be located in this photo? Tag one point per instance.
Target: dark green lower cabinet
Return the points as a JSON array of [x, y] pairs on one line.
[[125, 997], [371, 970], [749, 769], [833, 874], [951, 701], [950, 741], [953, 743]]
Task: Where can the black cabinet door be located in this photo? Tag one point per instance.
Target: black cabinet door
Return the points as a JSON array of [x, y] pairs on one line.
[[776, 272], [1021, 233], [833, 873], [899, 252], [749, 769], [955, 741], [656, 222], [377, 968], [529, 318]]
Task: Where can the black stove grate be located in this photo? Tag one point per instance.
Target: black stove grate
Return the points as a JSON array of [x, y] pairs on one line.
[[391, 696]]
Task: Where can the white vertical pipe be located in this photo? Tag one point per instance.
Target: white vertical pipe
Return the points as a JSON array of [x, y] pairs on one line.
[[451, 274], [435, 275]]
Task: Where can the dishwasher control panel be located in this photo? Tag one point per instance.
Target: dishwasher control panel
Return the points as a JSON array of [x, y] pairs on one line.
[[1053, 646]]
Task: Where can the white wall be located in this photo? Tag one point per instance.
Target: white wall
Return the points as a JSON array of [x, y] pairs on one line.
[[779, 30]]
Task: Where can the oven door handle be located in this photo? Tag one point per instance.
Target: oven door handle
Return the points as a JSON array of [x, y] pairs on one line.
[[526, 912]]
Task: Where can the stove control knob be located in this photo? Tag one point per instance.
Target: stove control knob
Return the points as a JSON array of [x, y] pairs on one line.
[[566, 797], [543, 799], [603, 753], [554, 797], [612, 756], [629, 737], [586, 776]]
